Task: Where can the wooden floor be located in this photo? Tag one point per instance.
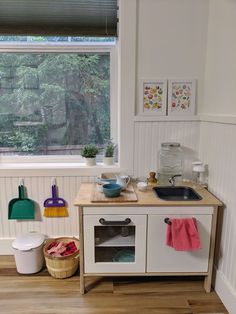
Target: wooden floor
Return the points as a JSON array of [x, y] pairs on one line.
[[42, 294]]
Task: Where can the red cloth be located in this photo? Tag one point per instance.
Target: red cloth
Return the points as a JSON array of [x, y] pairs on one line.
[[182, 234], [61, 249], [70, 249]]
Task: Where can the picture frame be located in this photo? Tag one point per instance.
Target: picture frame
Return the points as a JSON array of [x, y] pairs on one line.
[[153, 97], [181, 97]]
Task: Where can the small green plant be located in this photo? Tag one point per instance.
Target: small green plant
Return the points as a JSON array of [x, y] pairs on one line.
[[89, 151], [109, 149]]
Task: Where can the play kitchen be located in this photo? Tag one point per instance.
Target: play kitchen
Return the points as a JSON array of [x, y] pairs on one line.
[[149, 229]]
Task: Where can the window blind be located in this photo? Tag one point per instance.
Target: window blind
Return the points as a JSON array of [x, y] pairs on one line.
[[58, 17]]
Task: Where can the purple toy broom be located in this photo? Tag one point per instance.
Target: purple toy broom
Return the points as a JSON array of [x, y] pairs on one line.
[[55, 206]]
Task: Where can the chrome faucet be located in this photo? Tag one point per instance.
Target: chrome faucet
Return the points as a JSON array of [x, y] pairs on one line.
[[172, 179]]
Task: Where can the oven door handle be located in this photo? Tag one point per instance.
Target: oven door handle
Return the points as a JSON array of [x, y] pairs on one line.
[[105, 222]]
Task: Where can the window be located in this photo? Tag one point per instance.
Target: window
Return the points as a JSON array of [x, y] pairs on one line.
[[56, 94]]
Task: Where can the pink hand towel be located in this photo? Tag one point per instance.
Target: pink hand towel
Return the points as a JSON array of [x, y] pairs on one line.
[[182, 234]]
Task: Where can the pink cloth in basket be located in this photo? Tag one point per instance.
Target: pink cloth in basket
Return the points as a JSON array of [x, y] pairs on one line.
[[182, 234], [61, 249]]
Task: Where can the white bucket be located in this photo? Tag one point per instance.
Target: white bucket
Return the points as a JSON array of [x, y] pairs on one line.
[[28, 251]]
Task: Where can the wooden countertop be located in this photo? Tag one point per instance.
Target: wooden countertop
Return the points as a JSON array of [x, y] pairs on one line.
[[146, 198]]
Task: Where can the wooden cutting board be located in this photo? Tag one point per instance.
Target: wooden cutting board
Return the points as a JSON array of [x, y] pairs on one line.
[[127, 195]]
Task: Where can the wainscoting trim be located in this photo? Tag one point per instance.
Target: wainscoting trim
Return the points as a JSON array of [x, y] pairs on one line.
[[227, 119]]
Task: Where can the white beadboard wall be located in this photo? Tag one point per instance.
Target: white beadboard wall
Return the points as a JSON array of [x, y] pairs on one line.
[[38, 189], [148, 139], [217, 148], [150, 135]]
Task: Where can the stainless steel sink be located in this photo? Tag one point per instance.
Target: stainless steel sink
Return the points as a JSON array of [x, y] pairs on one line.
[[176, 193]]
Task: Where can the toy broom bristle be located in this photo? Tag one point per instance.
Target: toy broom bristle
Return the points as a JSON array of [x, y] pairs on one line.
[[55, 212]]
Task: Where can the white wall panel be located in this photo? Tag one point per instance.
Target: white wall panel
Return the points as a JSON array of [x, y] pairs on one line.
[[38, 189], [217, 149], [150, 135], [163, 29], [148, 138], [220, 71]]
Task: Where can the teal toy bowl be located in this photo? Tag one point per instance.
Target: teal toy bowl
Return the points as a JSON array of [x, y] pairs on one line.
[[124, 256], [112, 189]]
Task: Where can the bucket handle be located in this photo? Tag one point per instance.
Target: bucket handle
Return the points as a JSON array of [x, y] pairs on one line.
[[77, 256]]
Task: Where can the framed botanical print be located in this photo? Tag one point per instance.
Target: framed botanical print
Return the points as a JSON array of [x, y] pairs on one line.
[[153, 96], [181, 96]]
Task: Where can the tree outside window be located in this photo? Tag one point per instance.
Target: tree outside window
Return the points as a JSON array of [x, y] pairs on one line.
[[53, 103]]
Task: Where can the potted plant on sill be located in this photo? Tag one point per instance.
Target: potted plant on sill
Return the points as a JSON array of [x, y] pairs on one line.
[[89, 152], [108, 158]]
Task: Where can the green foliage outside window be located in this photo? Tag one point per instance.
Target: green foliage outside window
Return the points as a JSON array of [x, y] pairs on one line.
[[54, 99]]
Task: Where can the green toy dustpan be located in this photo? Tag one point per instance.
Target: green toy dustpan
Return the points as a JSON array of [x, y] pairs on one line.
[[21, 208]]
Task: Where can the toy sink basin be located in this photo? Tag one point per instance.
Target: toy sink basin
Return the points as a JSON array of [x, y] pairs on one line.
[[176, 193]]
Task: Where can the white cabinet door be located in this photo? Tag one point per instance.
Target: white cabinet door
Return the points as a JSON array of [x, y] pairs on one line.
[[114, 243], [162, 258]]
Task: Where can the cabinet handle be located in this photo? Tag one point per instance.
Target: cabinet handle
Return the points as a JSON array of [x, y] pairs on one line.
[[105, 222]]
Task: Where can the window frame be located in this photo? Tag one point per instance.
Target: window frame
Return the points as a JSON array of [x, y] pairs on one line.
[[126, 56], [71, 47]]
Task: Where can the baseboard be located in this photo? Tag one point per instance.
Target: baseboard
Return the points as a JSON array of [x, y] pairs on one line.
[[226, 292], [6, 246]]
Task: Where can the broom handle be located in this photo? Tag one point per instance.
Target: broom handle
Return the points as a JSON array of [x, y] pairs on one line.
[[21, 191], [54, 191]]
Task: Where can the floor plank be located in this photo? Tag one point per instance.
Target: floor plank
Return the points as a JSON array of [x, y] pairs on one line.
[[42, 294]]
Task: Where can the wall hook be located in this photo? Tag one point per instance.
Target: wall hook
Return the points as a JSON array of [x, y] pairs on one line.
[[53, 181], [167, 221]]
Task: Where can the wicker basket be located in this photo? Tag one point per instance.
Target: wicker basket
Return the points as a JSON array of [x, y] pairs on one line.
[[64, 266]]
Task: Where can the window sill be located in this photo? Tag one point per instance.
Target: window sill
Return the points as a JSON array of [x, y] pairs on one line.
[[54, 169]]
